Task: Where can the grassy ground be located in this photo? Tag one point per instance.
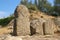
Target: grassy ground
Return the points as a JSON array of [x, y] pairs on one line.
[[4, 30]]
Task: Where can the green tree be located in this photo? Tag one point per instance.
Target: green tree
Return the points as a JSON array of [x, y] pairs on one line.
[[41, 4], [47, 6], [57, 6], [36, 3], [5, 21], [30, 2], [24, 2]]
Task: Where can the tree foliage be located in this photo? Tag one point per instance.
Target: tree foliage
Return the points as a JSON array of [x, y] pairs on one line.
[[44, 6], [24, 2], [5, 21], [57, 6]]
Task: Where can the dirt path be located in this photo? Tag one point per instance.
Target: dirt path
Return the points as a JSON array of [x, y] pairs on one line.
[[5, 30]]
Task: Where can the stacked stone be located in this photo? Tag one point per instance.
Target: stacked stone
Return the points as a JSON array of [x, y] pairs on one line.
[[57, 23], [22, 23], [37, 25], [49, 27]]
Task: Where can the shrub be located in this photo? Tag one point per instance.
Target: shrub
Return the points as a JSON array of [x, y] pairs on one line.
[[32, 7], [5, 21]]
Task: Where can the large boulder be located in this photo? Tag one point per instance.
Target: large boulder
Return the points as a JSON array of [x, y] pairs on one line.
[[37, 26], [21, 22], [49, 27], [57, 23]]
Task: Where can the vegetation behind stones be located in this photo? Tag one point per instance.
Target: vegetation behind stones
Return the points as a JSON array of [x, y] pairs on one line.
[[5, 21]]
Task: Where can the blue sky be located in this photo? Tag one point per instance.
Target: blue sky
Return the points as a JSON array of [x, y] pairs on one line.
[[7, 7]]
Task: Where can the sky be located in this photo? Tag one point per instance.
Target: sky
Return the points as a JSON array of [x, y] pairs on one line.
[[7, 7]]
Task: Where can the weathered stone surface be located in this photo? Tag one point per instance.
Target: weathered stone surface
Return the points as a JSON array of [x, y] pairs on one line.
[[11, 23], [49, 27], [32, 38], [37, 26], [3, 36], [57, 23], [22, 20]]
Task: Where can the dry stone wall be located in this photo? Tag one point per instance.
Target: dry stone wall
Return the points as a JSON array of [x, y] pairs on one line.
[[23, 25], [57, 23], [49, 27], [37, 24]]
